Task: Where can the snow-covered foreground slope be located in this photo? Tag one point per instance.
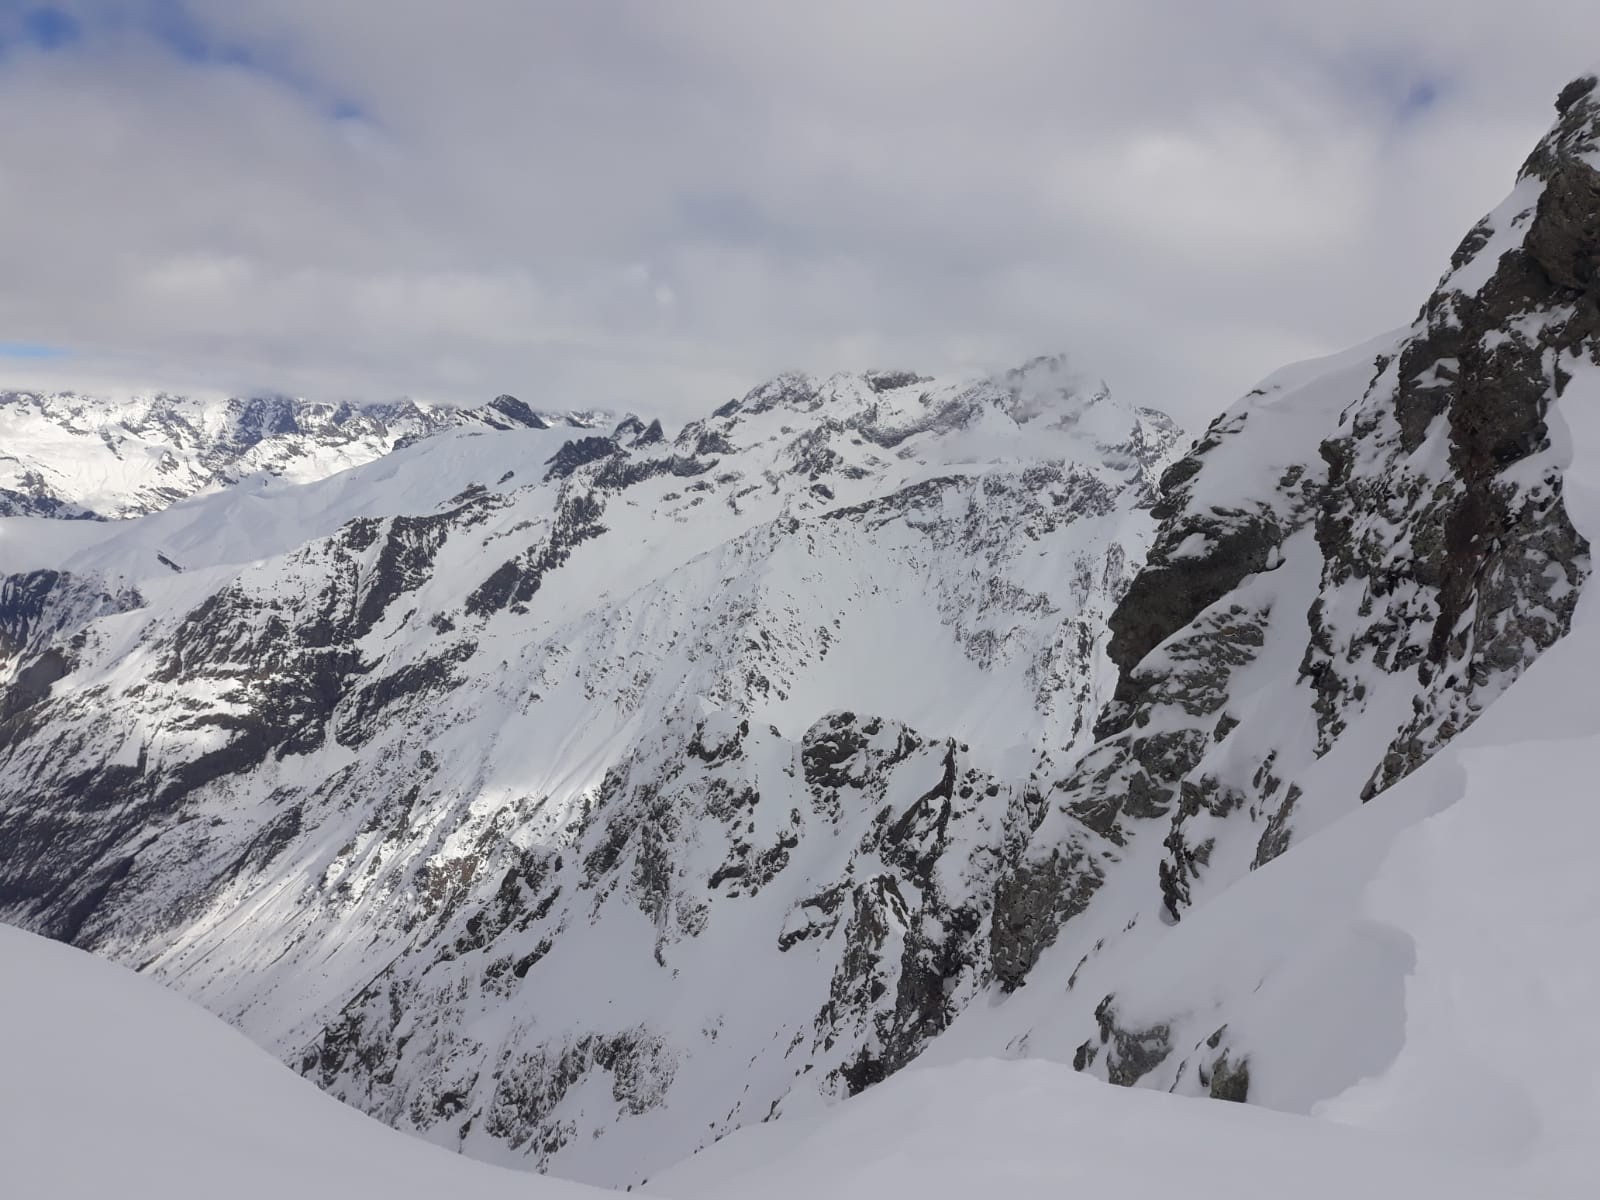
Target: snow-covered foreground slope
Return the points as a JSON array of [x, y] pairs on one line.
[[69, 455], [113, 1086], [1036, 1130]]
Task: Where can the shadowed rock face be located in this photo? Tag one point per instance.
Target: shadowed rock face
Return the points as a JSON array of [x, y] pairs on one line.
[[1495, 563], [1170, 592]]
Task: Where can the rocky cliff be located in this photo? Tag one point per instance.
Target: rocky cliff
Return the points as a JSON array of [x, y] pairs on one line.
[[1352, 564]]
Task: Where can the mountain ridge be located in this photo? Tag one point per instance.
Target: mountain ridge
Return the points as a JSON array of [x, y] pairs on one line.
[[71, 455]]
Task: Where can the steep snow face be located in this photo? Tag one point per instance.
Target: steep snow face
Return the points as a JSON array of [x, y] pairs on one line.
[[1353, 564], [574, 800], [69, 455], [116, 1087]]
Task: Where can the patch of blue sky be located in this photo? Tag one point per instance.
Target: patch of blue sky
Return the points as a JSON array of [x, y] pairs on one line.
[[173, 25], [48, 28], [32, 350]]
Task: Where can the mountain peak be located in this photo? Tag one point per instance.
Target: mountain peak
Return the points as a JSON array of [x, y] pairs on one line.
[[1580, 88]]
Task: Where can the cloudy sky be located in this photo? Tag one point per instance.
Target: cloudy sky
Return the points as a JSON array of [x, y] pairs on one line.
[[654, 205]]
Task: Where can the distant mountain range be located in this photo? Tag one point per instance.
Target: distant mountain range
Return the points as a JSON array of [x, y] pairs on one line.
[[68, 455]]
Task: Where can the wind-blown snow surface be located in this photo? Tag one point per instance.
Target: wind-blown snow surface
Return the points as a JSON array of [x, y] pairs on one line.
[[603, 790], [69, 455], [113, 1086]]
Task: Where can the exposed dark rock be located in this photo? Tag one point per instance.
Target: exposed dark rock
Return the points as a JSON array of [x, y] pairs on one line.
[[577, 453], [32, 683], [1031, 904], [518, 412], [1128, 1054], [1171, 591], [1230, 1080], [513, 584], [887, 381]]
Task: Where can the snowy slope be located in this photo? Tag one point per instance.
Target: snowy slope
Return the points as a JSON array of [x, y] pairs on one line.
[[469, 808], [116, 1087], [1426, 967], [1035, 1130], [69, 455]]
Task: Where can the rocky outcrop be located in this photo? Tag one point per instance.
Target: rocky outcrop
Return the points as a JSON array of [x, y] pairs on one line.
[[1461, 577]]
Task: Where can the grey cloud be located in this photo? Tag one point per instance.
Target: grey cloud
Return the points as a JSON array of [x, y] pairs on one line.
[[656, 205]]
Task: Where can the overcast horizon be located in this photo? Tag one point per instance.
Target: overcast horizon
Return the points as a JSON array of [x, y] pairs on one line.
[[655, 207]]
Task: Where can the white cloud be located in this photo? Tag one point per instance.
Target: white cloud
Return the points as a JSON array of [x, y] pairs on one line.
[[656, 205]]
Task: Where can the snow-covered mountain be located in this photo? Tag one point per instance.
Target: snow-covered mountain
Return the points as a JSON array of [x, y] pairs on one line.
[[68, 455], [1353, 564], [605, 790], [1329, 854], [575, 801]]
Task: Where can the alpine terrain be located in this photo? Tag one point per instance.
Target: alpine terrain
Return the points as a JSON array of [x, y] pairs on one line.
[[67, 455], [575, 798]]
